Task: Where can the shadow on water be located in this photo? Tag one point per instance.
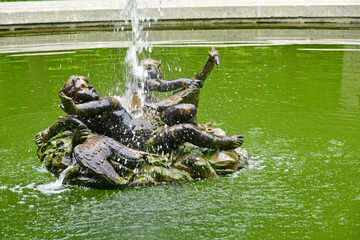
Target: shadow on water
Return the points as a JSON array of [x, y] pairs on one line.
[[296, 100]]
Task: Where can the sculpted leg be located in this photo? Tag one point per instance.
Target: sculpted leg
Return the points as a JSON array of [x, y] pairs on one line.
[[172, 137], [180, 113], [64, 123], [214, 58]]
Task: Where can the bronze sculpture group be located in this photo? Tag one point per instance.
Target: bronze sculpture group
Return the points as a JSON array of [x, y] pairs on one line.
[[103, 145]]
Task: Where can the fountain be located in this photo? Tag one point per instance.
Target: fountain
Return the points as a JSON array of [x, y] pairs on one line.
[[138, 139]]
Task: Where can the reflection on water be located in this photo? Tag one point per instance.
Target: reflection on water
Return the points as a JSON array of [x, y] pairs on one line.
[[178, 38], [299, 112], [39, 54], [350, 84]]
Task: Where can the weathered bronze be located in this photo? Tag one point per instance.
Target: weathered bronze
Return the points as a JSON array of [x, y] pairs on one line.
[[100, 144]]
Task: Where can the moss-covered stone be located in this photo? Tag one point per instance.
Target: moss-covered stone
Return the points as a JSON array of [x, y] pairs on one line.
[[196, 166], [56, 153], [224, 160], [60, 162], [159, 160], [227, 162], [162, 174], [243, 157], [189, 162], [141, 179]]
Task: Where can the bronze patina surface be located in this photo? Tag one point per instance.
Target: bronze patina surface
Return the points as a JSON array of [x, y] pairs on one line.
[[101, 144]]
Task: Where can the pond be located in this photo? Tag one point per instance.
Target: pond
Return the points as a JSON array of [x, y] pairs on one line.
[[293, 94]]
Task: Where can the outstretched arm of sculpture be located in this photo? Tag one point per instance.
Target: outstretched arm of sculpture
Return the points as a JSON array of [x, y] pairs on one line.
[[161, 85], [171, 137], [214, 58], [90, 108], [64, 123]]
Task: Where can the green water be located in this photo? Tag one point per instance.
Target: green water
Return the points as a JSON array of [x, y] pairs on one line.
[[298, 107]]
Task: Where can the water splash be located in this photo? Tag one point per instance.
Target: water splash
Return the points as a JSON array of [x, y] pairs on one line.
[[134, 97], [57, 186]]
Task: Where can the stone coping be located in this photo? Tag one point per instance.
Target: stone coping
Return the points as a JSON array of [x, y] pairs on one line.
[[172, 13], [62, 43]]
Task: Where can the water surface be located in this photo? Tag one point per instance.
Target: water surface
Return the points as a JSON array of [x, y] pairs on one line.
[[297, 104]]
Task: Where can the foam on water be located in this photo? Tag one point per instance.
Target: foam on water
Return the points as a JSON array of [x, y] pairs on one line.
[[55, 187]]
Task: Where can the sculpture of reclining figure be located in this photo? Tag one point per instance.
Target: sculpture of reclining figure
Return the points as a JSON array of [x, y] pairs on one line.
[[106, 116]]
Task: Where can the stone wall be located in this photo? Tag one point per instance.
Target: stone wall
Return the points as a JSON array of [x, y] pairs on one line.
[[170, 14]]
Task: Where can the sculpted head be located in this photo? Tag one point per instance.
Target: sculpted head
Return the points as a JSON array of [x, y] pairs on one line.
[[152, 67], [78, 88]]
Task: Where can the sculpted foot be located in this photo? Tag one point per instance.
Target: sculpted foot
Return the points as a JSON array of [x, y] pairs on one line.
[[237, 141], [42, 137]]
